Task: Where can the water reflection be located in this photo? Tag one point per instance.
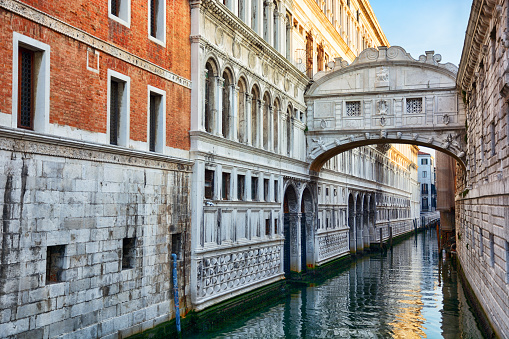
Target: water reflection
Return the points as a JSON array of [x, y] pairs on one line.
[[407, 292]]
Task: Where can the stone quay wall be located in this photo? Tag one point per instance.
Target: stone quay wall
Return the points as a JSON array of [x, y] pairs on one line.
[[86, 238]]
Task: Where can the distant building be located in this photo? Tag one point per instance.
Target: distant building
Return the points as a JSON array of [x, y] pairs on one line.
[[426, 174]]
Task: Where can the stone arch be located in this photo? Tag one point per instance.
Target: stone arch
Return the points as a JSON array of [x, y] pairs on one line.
[[290, 229], [242, 107], [307, 219]]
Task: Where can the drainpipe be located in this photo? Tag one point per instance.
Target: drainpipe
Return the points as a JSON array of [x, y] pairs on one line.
[[176, 292]]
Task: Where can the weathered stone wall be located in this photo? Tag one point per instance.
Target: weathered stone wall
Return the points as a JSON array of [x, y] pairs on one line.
[[89, 198], [482, 200]]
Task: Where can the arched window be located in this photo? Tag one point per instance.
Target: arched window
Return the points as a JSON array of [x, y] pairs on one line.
[[275, 114], [266, 120], [254, 116], [288, 131], [209, 98], [226, 111], [241, 112]]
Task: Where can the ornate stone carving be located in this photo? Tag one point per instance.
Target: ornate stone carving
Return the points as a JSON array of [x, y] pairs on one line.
[[332, 244], [221, 273], [320, 144], [323, 124], [446, 119], [383, 107]]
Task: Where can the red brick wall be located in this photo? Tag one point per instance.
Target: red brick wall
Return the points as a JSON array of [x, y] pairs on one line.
[[78, 97]]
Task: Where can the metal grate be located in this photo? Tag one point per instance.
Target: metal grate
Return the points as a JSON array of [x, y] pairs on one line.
[[414, 105], [26, 88], [353, 108], [114, 112]]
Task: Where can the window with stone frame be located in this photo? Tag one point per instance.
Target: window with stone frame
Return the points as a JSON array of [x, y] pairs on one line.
[[254, 188], [276, 191], [26, 88], [414, 105], [241, 187], [128, 253], [353, 108], [266, 186], [157, 20], [226, 186]]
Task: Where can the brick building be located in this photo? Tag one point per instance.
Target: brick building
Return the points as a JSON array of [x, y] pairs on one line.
[[95, 170]]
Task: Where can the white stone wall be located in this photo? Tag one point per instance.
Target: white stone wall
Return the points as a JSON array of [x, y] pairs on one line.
[[89, 198]]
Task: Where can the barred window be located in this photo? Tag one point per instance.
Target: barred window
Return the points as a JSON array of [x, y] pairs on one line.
[[353, 108], [414, 105]]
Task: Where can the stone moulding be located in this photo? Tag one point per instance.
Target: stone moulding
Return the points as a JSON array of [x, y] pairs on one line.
[[61, 27], [34, 143]]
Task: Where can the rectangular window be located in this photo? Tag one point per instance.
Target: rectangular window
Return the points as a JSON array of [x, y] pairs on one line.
[[424, 161], [128, 253], [25, 88], [326, 191], [353, 108], [266, 192], [424, 188], [414, 105], [154, 105], [226, 186], [267, 226], [241, 187], [276, 191], [54, 263], [209, 184], [424, 174], [275, 226], [157, 21], [118, 108], [120, 11], [254, 188]]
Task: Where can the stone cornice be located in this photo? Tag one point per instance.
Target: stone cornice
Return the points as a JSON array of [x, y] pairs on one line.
[[77, 34], [370, 16], [477, 31], [31, 142], [233, 23]]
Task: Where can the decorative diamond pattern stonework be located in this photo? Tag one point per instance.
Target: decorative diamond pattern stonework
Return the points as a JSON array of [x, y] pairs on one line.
[[332, 244], [414, 105], [353, 108], [220, 274]]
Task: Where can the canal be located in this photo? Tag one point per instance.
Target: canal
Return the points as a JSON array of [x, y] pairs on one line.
[[407, 292]]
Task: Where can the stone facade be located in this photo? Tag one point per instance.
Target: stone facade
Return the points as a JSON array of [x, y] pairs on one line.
[[427, 179], [482, 200], [96, 177]]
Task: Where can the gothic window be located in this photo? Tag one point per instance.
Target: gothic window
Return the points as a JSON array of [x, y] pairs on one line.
[[209, 98], [353, 108], [157, 19], [254, 116], [266, 121], [226, 104], [275, 121], [414, 105]]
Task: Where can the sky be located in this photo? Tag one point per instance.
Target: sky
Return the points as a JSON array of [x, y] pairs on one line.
[[425, 25]]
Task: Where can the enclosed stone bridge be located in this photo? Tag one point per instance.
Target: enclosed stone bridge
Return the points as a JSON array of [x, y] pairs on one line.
[[385, 96]]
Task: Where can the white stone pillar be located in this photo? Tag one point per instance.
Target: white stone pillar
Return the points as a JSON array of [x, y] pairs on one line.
[[234, 112], [249, 99], [218, 119], [282, 33], [270, 22], [259, 18], [247, 12]]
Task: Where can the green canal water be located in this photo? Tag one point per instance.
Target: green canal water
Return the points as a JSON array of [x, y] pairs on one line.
[[408, 292]]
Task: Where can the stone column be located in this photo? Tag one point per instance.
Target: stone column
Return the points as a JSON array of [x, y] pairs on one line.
[[282, 33], [270, 22], [218, 106], [234, 113], [247, 12], [259, 18], [202, 117], [249, 100]]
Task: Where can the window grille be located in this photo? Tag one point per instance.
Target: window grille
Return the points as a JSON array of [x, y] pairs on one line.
[[26, 89], [414, 105], [114, 112], [353, 108]]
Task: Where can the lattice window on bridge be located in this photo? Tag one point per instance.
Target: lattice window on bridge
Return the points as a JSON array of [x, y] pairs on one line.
[[414, 105], [353, 108]]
